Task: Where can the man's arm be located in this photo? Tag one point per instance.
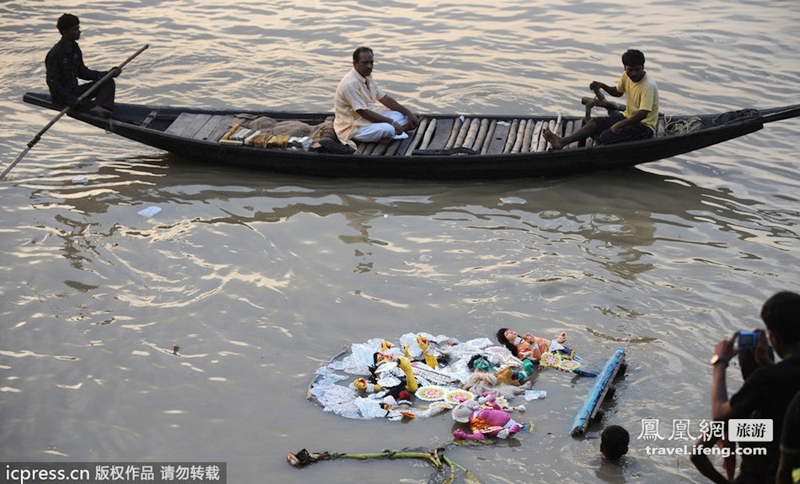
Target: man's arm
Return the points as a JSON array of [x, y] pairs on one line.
[[720, 405], [594, 86], [374, 117], [390, 103], [635, 118], [703, 463]]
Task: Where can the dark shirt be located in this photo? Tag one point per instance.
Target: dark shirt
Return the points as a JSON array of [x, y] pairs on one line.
[[790, 436], [65, 65], [769, 390]]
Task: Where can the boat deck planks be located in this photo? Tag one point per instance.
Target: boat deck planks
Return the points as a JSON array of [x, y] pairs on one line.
[[442, 133], [188, 124], [498, 139], [209, 130]]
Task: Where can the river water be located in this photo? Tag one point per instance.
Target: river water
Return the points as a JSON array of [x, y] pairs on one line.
[[261, 278]]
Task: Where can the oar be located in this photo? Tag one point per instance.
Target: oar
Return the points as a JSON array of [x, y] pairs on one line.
[[64, 111]]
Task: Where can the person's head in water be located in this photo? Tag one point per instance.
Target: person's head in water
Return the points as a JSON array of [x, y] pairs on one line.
[[614, 443]]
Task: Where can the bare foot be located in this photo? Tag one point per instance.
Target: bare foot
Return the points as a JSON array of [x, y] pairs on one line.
[[100, 111], [551, 138]]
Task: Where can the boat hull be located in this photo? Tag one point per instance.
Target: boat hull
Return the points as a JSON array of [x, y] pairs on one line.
[[129, 123]]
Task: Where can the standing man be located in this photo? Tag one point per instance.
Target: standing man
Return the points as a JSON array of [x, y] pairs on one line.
[[65, 65], [767, 392], [363, 111], [641, 108]]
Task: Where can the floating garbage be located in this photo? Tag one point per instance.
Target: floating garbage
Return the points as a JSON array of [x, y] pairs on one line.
[[79, 180], [149, 211], [535, 394]]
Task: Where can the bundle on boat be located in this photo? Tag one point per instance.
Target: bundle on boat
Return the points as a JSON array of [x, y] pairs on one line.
[[266, 132]]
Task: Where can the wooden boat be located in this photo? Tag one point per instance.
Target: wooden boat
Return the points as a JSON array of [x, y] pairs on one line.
[[448, 147]]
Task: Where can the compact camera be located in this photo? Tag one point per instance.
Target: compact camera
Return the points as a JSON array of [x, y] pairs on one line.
[[747, 339]]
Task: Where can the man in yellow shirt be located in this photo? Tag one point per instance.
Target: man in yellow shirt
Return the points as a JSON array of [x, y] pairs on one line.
[[640, 116], [364, 112]]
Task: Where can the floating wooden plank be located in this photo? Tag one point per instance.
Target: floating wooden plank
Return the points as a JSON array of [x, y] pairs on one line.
[[426, 139], [454, 133], [488, 140], [601, 387], [440, 137], [498, 141], [512, 136]]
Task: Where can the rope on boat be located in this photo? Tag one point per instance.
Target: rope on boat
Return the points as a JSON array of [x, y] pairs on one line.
[[684, 125]]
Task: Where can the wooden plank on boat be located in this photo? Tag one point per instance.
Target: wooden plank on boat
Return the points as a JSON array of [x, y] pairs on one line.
[[474, 126], [454, 133], [462, 133], [526, 137], [523, 124], [394, 147], [426, 138], [440, 137], [482, 131], [536, 138], [544, 144], [187, 124], [489, 134], [512, 136], [572, 126], [365, 148], [149, 118], [223, 125], [205, 132], [179, 125], [498, 141], [411, 144], [380, 149]]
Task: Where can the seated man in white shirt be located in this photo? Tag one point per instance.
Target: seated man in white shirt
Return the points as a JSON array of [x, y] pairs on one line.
[[363, 111]]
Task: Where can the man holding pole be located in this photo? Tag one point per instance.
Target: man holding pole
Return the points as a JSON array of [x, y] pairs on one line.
[[65, 65]]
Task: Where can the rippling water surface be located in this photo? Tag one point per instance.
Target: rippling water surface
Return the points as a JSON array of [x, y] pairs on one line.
[[260, 278]]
